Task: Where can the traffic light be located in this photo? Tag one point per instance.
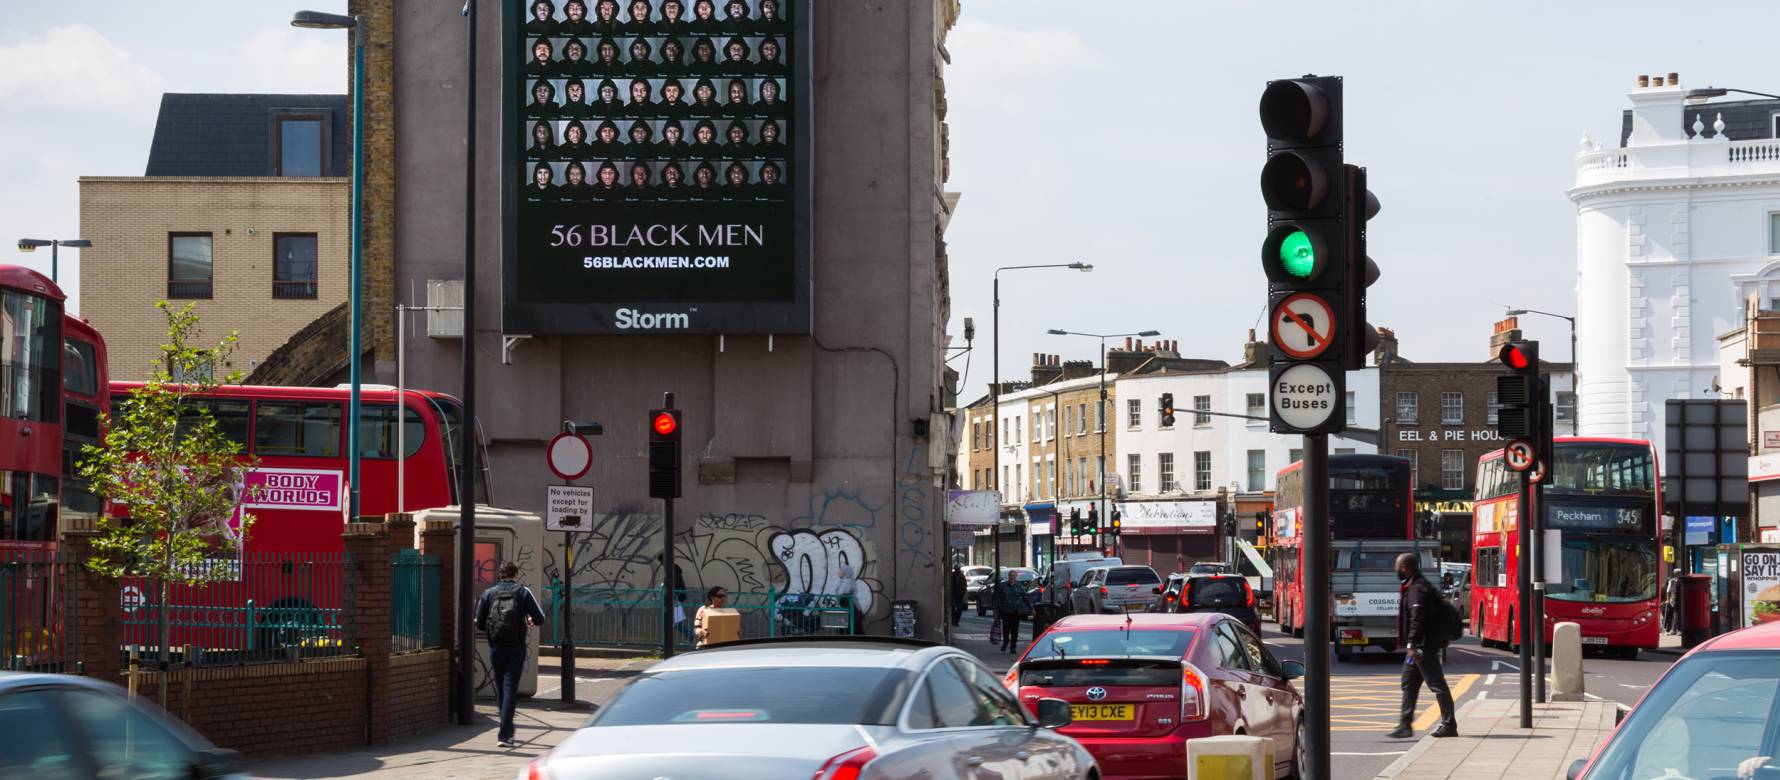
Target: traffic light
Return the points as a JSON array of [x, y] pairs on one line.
[[1118, 519], [1075, 522], [1260, 525], [1314, 256], [1166, 404], [664, 453], [1523, 399]]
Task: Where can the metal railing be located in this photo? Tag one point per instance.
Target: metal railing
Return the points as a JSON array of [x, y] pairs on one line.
[[293, 289], [623, 617], [413, 601], [266, 607], [37, 611], [189, 289]]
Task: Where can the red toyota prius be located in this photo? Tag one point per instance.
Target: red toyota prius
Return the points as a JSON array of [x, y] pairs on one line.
[[1143, 684]]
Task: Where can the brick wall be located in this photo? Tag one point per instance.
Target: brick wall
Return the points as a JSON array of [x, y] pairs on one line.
[[125, 272], [271, 708], [418, 687], [380, 172]]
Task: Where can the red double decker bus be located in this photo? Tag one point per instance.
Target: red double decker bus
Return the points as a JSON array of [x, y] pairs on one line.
[[1600, 510], [1371, 499]]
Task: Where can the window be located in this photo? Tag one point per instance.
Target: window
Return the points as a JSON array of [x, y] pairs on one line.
[[297, 428], [377, 431], [1003, 429], [1050, 423], [1051, 478], [1452, 469], [1134, 473], [1038, 426], [1452, 408], [1019, 425], [976, 435], [1017, 480], [999, 705], [1353, 411], [1774, 233], [190, 269], [1004, 484], [27, 507], [1081, 417], [298, 143], [1294, 455], [1134, 413], [1165, 466], [1068, 421], [1081, 471], [1407, 407], [1344, 450], [230, 415], [1202, 470], [1565, 411], [1099, 475], [30, 357], [1100, 416], [1201, 403], [1494, 405], [1257, 470], [125, 741], [293, 265], [1069, 478], [37, 746], [1414, 478]]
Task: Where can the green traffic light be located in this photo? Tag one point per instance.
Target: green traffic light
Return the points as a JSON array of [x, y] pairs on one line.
[[1297, 256]]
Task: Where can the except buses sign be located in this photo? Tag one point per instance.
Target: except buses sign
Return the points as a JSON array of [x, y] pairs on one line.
[[1304, 396]]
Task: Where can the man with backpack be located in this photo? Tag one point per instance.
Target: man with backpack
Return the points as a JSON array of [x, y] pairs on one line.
[[1426, 624], [505, 614]]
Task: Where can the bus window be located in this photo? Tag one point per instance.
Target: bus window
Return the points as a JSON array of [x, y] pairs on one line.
[[30, 332], [80, 369], [451, 426], [230, 416], [377, 431], [305, 429], [27, 507]]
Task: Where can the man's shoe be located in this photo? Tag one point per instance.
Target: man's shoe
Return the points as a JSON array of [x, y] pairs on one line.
[[507, 743], [1402, 732], [1448, 729]]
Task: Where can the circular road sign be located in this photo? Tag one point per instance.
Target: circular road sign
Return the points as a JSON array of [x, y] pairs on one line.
[[132, 598], [1303, 325], [1519, 455], [569, 456], [1304, 396], [1538, 474]]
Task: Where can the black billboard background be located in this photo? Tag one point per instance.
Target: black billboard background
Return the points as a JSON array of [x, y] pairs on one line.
[[576, 252]]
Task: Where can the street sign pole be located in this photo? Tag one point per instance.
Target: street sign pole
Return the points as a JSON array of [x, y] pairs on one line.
[[1316, 604], [569, 457], [567, 650], [1524, 536], [667, 559]]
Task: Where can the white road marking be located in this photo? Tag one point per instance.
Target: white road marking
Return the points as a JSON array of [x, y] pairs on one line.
[[1390, 753], [1494, 665], [1592, 697], [1490, 680], [1622, 685], [1481, 695]]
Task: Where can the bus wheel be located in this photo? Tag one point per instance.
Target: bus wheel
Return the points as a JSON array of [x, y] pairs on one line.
[[1628, 653], [1513, 642]]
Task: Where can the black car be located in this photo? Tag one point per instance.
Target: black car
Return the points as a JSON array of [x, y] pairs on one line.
[[1226, 593], [58, 726]]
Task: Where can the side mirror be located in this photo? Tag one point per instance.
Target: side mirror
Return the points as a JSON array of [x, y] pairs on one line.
[[216, 763], [1054, 713], [1293, 669], [1576, 767]]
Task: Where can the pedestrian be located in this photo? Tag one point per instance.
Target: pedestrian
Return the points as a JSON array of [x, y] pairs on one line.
[[504, 614], [1011, 603], [957, 587], [715, 598], [1672, 603], [680, 622], [1426, 625]]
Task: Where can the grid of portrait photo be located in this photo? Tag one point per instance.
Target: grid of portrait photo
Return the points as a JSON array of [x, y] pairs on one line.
[[651, 100]]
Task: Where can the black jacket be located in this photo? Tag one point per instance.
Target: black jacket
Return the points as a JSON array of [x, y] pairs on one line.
[[1421, 615], [528, 605]]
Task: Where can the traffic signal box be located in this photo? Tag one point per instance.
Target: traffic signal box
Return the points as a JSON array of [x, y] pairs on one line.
[[664, 453], [1524, 399], [1166, 405], [1314, 256]]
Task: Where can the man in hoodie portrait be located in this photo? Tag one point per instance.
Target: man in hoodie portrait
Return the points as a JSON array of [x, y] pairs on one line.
[[673, 100], [543, 103], [574, 19], [541, 21], [641, 62], [636, 21], [574, 105]]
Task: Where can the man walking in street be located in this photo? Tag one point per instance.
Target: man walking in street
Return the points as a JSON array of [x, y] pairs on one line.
[[1011, 603], [957, 586], [1672, 603], [505, 614], [1425, 625]]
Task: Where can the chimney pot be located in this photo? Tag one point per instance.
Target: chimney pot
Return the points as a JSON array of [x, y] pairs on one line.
[[1674, 79], [1656, 81], [1643, 81]]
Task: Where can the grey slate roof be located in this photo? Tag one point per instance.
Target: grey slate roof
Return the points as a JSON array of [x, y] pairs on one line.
[[231, 135], [1744, 120]]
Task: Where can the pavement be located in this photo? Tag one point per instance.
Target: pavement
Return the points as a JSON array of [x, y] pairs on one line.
[[453, 752], [1497, 747]]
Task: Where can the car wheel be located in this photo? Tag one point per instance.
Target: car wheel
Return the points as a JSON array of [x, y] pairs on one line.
[[1343, 654], [1300, 752]]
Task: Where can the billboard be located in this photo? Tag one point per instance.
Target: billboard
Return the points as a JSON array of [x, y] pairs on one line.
[[656, 167]]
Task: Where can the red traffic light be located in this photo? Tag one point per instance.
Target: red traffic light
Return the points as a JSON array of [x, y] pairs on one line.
[[1513, 356], [666, 423]]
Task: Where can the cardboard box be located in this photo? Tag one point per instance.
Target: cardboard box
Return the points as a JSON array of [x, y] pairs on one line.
[[722, 625]]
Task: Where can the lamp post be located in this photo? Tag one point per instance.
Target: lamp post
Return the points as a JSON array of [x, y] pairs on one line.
[[1702, 95], [316, 20], [1105, 510], [467, 453], [995, 385], [31, 244], [1575, 367]]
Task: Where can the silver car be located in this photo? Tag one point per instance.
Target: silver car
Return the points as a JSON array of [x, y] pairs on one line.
[[867, 707], [1115, 589]]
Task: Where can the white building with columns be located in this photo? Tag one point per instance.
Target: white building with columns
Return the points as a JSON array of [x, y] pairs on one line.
[[1675, 228]]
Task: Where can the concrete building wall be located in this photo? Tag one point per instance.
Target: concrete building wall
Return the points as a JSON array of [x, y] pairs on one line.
[[800, 452], [125, 272]]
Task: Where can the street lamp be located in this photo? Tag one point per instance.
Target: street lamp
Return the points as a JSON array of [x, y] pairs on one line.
[[467, 473], [31, 244], [1575, 367], [1105, 509], [316, 20], [995, 386], [1702, 95]]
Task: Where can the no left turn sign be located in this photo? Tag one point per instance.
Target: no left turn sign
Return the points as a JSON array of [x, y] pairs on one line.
[[1303, 325], [1519, 455]]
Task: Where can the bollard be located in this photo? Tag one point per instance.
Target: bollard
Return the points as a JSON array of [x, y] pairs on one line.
[[1230, 758], [1566, 662]]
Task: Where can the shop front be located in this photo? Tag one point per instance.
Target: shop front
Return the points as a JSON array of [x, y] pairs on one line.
[[1168, 536], [1041, 519]]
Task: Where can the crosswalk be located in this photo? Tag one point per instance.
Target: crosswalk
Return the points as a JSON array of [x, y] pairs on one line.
[[1371, 702]]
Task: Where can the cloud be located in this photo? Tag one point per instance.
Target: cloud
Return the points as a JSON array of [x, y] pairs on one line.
[[280, 59], [993, 49], [76, 68]]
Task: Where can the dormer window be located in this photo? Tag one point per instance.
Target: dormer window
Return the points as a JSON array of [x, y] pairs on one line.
[[299, 143]]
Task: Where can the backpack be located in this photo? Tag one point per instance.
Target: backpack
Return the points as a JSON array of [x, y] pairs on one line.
[[506, 621], [1447, 626]]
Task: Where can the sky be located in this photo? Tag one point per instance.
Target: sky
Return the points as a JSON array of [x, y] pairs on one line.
[[1126, 135], [1122, 134]]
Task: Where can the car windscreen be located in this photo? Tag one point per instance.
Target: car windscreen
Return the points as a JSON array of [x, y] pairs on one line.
[[1133, 576], [799, 694], [1711, 713], [1073, 674], [1062, 643], [1216, 592]]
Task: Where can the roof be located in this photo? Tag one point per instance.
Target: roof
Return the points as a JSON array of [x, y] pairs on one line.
[[210, 134], [1759, 637], [859, 651], [19, 277], [1744, 120], [1139, 620]]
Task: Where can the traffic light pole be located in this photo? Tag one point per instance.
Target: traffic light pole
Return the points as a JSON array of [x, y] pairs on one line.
[[667, 563], [1317, 567], [1518, 633]]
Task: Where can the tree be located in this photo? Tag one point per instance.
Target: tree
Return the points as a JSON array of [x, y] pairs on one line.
[[174, 474]]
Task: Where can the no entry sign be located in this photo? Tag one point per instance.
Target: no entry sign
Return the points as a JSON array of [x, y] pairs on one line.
[[569, 456]]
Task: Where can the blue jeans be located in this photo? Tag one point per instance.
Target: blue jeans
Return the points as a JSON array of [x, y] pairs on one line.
[[505, 665]]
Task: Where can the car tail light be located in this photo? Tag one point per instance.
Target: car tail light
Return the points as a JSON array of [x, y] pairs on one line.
[[1251, 594], [1192, 693], [539, 769], [1103, 590], [846, 766], [1012, 680]]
